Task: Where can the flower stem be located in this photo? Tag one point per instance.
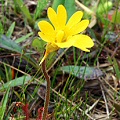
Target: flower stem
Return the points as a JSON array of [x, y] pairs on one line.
[[47, 97]]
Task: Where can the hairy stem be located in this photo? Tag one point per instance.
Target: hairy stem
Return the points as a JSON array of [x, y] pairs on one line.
[[47, 97]]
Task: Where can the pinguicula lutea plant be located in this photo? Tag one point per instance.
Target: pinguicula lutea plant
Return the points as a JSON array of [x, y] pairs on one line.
[[62, 33]]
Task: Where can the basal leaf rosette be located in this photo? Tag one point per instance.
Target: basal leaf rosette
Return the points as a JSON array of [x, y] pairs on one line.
[[58, 33]]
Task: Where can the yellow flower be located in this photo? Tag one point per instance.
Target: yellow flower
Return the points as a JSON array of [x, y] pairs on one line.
[[62, 34]]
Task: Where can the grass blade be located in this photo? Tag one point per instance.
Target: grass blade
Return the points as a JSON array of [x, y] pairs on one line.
[[10, 30], [25, 12], [4, 102], [23, 38], [40, 6], [16, 82], [116, 67], [1, 28]]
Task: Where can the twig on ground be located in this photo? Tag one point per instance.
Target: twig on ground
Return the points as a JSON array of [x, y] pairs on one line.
[[90, 108], [106, 104]]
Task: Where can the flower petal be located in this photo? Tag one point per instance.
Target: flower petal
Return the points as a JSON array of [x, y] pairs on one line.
[[66, 44], [61, 16], [52, 17], [74, 19], [46, 28], [81, 26], [46, 38], [82, 42]]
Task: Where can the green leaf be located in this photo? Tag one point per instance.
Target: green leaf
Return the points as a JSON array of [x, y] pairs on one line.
[[56, 3], [10, 30], [4, 103], [9, 44], [38, 44], [70, 7], [16, 82], [83, 71], [23, 38]]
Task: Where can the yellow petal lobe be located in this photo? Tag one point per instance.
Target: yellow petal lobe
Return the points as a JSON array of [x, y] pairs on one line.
[[61, 16], [46, 28], [81, 26], [83, 42], [74, 19], [46, 38], [53, 17]]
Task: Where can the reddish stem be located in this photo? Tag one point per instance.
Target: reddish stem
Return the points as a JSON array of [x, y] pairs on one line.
[[40, 112], [26, 111], [47, 97]]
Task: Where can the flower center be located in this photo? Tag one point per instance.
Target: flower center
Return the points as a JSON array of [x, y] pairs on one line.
[[60, 36]]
